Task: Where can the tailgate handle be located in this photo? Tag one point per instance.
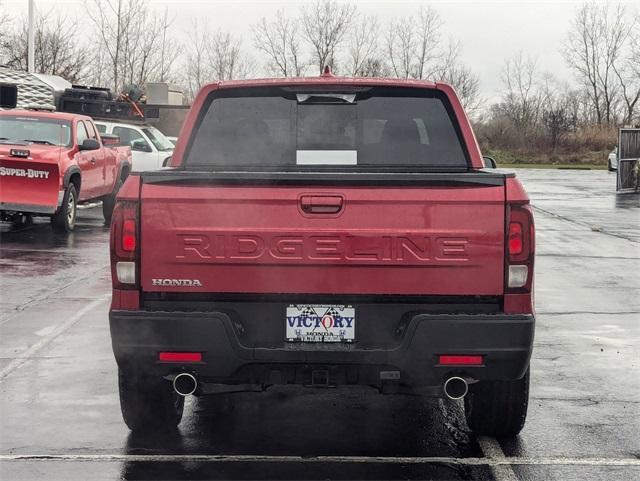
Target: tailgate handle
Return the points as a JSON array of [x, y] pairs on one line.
[[321, 204]]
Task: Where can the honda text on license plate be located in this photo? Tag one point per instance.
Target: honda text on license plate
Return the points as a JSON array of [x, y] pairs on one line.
[[320, 323]]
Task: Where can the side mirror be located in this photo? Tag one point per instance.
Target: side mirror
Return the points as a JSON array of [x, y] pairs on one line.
[[140, 146], [489, 162], [90, 144]]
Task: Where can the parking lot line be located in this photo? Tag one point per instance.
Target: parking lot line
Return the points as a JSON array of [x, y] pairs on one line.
[[29, 353], [492, 450], [228, 458]]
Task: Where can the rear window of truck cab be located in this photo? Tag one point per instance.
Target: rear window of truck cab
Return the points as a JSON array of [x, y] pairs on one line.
[[296, 129]]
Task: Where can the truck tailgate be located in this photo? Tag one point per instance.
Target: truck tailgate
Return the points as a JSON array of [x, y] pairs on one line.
[[433, 239], [28, 185]]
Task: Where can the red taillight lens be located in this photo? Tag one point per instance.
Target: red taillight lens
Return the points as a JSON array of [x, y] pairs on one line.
[[520, 248], [515, 238], [129, 235], [180, 356], [124, 245], [463, 360]]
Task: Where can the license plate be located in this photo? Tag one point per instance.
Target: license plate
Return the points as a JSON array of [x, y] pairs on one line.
[[320, 323]]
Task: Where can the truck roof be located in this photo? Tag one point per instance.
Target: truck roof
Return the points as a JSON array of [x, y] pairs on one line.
[[325, 78], [44, 114]]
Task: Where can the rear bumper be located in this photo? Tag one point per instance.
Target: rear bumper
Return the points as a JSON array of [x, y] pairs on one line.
[[505, 341], [32, 208], [28, 208]]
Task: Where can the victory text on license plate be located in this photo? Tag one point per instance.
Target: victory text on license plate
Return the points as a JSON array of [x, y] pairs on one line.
[[320, 323]]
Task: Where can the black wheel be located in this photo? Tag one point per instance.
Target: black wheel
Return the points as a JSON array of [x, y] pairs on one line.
[[609, 166], [65, 219], [497, 408], [149, 404], [109, 202]]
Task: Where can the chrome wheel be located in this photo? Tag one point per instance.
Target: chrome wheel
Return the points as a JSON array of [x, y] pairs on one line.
[[65, 218], [71, 208]]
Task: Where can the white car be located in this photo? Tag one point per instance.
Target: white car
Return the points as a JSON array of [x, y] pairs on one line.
[[150, 148], [612, 162]]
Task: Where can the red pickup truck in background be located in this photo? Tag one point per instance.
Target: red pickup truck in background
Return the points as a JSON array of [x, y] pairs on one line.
[[51, 161], [324, 232]]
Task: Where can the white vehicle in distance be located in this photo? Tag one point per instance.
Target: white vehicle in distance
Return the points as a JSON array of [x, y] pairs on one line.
[[150, 148], [612, 161]]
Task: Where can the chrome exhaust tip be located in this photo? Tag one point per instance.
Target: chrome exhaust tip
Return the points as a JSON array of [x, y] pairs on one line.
[[185, 384], [456, 388]]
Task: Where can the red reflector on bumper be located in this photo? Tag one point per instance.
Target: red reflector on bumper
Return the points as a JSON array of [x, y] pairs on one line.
[[461, 360], [180, 356]]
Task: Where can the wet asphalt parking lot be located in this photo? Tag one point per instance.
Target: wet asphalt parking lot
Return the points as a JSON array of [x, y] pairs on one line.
[[60, 417]]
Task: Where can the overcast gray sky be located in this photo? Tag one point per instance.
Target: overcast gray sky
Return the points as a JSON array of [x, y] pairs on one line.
[[490, 31]]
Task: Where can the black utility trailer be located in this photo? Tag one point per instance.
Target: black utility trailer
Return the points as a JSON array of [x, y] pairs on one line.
[[628, 179]]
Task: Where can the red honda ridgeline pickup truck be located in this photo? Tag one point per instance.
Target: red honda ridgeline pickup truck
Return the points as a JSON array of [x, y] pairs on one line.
[[51, 161], [324, 232]]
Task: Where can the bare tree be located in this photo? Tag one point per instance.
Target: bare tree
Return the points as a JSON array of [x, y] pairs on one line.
[[57, 49], [559, 117], [212, 56], [325, 25], [413, 44], [169, 49], [197, 69], [363, 46], [279, 39], [400, 45], [627, 70], [428, 39], [5, 22], [111, 20], [135, 41], [595, 42], [225, 55], [523, 96], [462, 78], [374, 67], [467, 86]]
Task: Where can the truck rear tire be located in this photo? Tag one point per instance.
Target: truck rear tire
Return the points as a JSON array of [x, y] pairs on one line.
[[149, 404], [109, 202], [65, 219], [497, 408]]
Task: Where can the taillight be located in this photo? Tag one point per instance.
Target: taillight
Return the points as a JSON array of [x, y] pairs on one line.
[[129, 235], [515, 238], [520, 248], [124, 245]]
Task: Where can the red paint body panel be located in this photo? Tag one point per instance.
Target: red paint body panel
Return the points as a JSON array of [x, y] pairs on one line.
[[519, 303], [419, 241], [429, 240], [125, 300], [98, 169], [515, 192]]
